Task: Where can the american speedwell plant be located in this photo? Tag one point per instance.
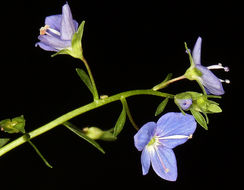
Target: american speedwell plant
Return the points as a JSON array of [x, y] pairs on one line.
[[63, 35]]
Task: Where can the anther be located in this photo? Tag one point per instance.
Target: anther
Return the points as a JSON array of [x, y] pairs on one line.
[[227, 81], [43, 30], [190, 136]]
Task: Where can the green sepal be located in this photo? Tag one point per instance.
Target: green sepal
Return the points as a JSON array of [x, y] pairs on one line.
[[161, 106], [120, 122], [189, 54], [214, 108], [63, 51], [81, 134], [85, 78], [75, 50], [199, 118], [3, 141], [14, 125]]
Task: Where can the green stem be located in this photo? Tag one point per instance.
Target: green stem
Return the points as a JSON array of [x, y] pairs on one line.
[[96, 97], [164, 84], [79, 111]]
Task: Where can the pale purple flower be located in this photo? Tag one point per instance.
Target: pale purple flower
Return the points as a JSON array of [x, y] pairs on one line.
[[211, 83], [156, 141], [58, 31]]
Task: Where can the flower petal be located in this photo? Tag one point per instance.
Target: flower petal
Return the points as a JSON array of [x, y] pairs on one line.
[[54, 21], [145, 161], [164, 163], [174, 129], [44, 46], [196, 53], [54, 42], [144, 135], [67, 24], [210, 81]]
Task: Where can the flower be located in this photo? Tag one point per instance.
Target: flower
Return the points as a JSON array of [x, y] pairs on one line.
[[58, 31], [203, 75], [156, 141]]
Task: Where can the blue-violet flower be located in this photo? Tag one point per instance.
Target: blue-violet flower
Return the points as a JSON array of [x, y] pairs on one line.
[[58, 31], [203, 75], [156, 141]]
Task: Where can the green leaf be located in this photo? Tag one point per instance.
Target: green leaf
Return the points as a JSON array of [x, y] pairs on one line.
[[80, 133], [168, 77], [199, 118], [127, 109], [164, 83], [85, 78], [3, 141], [120, 122], [14, 125], [161, 106]]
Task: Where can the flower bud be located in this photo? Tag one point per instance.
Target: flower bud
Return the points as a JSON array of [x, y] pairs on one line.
[[183, 100], [98, 134], [197, 101], [14, 125]]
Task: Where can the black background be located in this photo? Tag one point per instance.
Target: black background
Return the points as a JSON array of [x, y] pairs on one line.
[[128, 46]]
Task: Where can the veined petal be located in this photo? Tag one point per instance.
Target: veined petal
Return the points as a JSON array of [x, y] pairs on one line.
[[210, 81], [174, 129], [196, 53], [67, 24], [54, 21], [145, 161], [164, 163], [54, 42], [45, 47], [144, 135]]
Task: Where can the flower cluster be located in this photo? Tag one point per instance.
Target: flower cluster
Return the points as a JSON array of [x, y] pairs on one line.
[[156, 140]]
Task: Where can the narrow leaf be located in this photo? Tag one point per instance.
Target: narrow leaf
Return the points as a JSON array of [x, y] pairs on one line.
[[40, 154], [85, 78], [79, 132], [3, 141], [127, 109], [120, 122], [199, 118], [168, 77], [161, 106]]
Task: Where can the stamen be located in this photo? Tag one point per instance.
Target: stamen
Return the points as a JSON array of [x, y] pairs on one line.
[[43, 30], [227, 81], [54, 31], [161, 161], [176, 137], [219, 66]]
